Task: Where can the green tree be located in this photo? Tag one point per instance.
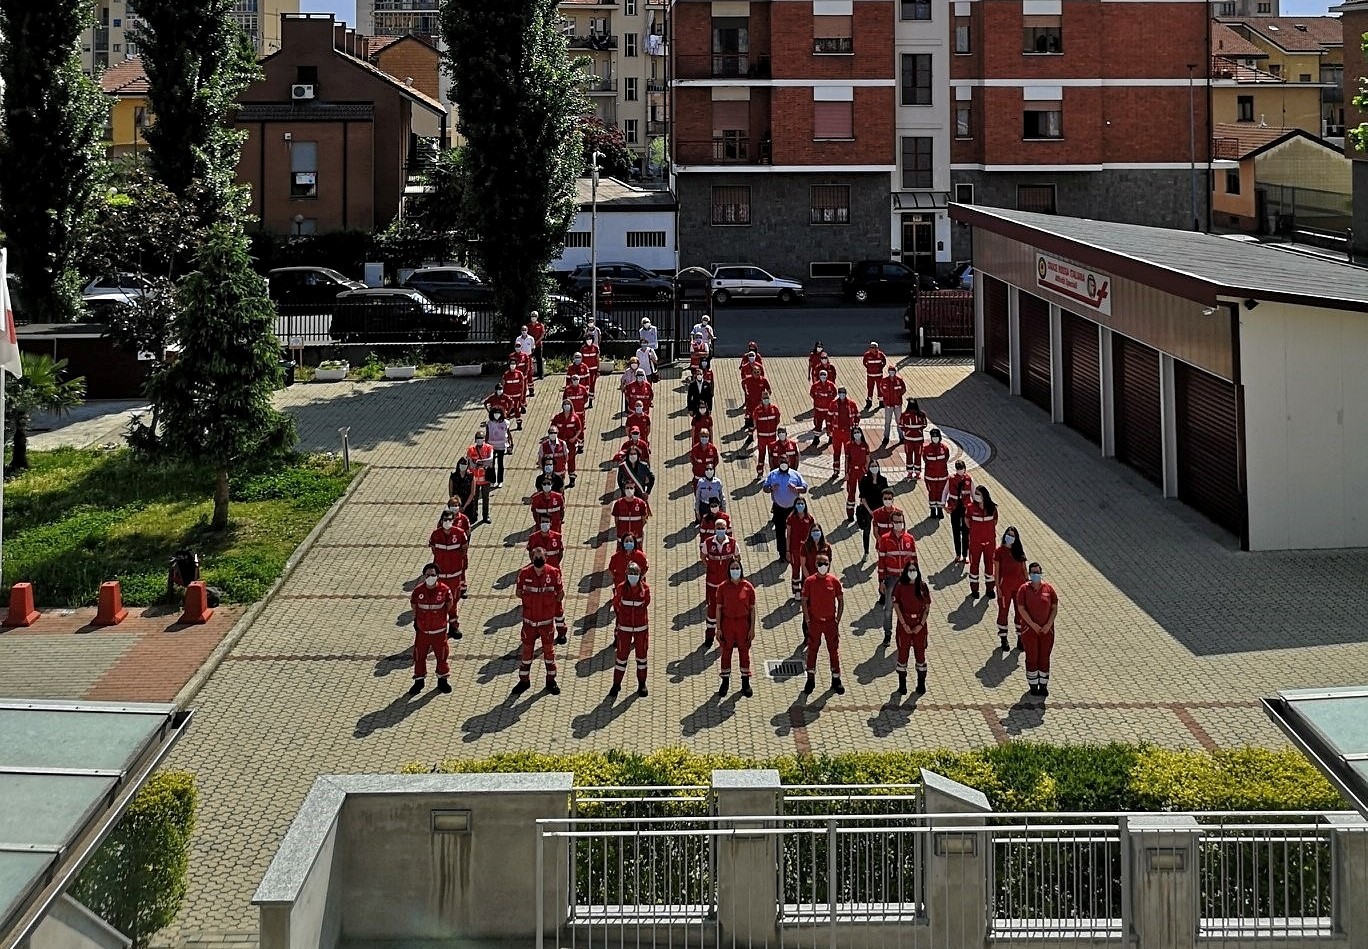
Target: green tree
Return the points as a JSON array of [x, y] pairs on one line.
[[615, 158], [1358, 137], [520, 99], [42, 389], [50, 154], [216, 398], [197, 61]]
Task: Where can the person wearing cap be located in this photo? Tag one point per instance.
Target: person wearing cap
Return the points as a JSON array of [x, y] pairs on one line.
[[589, 358], [549, 539], [648, 335], [537, 330], [891, 392], [646, 358], [640, 419], [823, 609], [875, 362], [936, 457], [481, 457], [785, 487], [432, 602], [638, 390], [912, 427], [631, 630], [823, 393], [704, 328], [958, 493], [1037, 605], [708, 487], [844, 419], [541, 591]]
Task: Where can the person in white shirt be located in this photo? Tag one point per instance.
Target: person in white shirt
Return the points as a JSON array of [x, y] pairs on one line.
[[646, 357], [628, 377], [525, 343], [649, 335], [501, 440], [593, 332], [706, 488], [704, 328]]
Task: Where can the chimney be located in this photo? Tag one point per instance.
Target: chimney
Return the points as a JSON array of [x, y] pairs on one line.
[[340, 36], [307, 32], [351, 42]]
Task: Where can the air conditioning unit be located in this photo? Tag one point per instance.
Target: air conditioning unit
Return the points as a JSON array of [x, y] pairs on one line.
[[301, 91]]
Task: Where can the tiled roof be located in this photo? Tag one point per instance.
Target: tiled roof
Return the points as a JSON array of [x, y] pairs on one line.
[[1295, 34], [425, 99], [125, 78], [374, 44], [1235, 140], [1226, 42]]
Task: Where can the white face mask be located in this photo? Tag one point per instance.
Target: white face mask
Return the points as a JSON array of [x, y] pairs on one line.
[[446, 525], [629, 545], [451, 508], [429, 581], [783, 466], [735, 573], [548, 468], [897, 527], [633, 458], [630, 492], [817, 536], [545, 526], [566, 406], [720, 534], [633, 578], [703, 439], [709, 472], [783, 435], [824, 568]]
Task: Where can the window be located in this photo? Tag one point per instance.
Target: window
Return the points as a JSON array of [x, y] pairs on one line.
[[1041, 34], [631, 130], [1233, 181], [731, 205], [830, 204], [831, 35], [731, 46], [1265, 9], [303, 169], [1304, 77], [1043, 120], [306, 75], [916, 79], [1275, 69], [307, 226], [964, 120], [917, 166], [140, 117], [963, 43], [915, 9], [1037, 198], [1244, 108], [117, 45], [630, 89], [629, 44], [833, 120], [578, 239], [818, 269], [1224, 9], [629, 7], [645, 238], [964, 194]]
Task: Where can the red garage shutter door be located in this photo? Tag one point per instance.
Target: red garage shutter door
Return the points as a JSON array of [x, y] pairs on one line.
[[997, 355], [1082, 377], [1208, 446], [1139, 423], [1035, 349]]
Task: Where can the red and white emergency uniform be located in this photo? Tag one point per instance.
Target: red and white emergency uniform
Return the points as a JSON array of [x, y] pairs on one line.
[[431, 608], [541, 595], [631, 631], [822, 594]]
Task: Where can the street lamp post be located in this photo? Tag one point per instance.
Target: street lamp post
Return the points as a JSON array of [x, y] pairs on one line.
[[299, 224], [593, 236], [1192, 144]]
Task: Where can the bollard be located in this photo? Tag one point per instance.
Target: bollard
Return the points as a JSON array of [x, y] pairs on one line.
[[345, 431], [196, 604], [111, 611], [21, 611]]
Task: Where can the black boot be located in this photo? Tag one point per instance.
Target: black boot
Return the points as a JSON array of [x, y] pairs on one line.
[[726, 684], [560, 639], [617, 687], [836, 685], [552, 686], [1035, 690], [1044, 690], [973, 591], [1020, 648], [416, 687], [902, 683], [522, 686], [454, 631], [810, 684], [1005, 647], [745, 687], [708, 639], [443, 685], [642, 690], [888, 638], [921, 683]]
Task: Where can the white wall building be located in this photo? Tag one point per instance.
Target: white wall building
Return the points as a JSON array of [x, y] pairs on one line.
[[921, 184], [636, 225]]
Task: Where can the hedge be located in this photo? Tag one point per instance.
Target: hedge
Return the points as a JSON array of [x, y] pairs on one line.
[[1018, 776], [136, 881]]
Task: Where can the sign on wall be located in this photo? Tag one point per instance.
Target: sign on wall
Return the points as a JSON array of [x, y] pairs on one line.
[[1088, 287]]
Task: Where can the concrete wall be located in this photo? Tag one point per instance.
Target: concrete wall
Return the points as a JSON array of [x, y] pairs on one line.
[[69, 925], [612, 239], [1306, 426]]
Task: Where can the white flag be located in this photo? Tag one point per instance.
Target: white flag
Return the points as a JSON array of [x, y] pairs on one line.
[[9, 342]]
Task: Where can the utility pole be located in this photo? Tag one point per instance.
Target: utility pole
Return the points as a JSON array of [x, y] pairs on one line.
[[593, 236], [1192, 143]]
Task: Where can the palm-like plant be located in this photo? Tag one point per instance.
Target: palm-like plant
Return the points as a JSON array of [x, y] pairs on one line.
[[42, 388]]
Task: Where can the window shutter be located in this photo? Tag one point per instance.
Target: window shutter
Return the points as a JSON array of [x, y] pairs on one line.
[[833, 120], [831, 27], [731, 117]]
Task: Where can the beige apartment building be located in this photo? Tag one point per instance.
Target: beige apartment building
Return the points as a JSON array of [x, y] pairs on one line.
[[109, 40]]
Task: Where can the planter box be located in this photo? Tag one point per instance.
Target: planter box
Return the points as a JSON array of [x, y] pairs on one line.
[[331, 375], [400, 372], [466, 370]]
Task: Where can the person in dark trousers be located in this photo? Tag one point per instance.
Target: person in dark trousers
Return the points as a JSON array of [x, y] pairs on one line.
[[784, 488], [461, 484], [871, 489], [633, 470]]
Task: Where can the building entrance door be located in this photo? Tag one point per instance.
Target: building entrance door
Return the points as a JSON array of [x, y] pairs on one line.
[[919, 243]]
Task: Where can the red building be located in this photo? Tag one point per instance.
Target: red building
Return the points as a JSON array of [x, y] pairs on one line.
[[1086, 108], [783, 132]]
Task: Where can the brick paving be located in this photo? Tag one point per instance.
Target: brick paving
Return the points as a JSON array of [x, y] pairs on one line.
[[1167, 633]]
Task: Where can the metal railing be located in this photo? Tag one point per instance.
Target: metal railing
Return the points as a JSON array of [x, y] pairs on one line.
[[1053, 877], [593, 84], [598, 41], [1266, 879], [723, 66], [730, 150]]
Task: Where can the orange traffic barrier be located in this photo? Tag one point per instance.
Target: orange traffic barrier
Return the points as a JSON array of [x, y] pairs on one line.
[[21, 611], [111, 611], [196, 604]]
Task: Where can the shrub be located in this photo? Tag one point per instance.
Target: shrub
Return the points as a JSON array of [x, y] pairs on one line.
[[136, 880]]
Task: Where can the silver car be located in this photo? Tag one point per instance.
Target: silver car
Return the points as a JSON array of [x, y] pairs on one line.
[[745, 281]]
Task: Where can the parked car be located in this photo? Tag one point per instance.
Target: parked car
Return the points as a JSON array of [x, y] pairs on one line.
[[569, 317], [307, 289], [395, 315], [884, 280], [104, 294], [752, 283], [629, 281], [966, 279], [450, 285]]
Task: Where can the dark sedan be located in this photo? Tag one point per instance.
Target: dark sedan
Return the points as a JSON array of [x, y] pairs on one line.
[[395, 315], [450, 285], [884, 281], [629, 281]]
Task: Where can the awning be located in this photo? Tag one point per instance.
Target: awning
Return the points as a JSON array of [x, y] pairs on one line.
[[921, 200]]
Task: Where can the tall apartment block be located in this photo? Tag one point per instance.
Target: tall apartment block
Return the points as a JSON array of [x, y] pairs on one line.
[[110, 41], [1082, 107], [398, 17], [921, 186], [1244, 8], [783, 132]]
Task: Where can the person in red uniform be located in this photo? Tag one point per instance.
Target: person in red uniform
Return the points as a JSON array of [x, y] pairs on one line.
[[577, 394], [736, 625], [815, 360], [912, 602], [450, 545], [549, 539], [628, 553], [936, 456], [515, 387], [897, 549], [541, 591], [823, 393], [750, 359], [557, 451], [753, 388], [537, 330], [631, 609], [784, 449], [569, 426], [958, 494], [1009, 573], [498, 399], [547, 504], [639, 417], [635, 442], [891, 392], [796, 528], [432, 602], [630, 513], [766, 418], [589, 353], [982, 516], [639, 390], [717, 550], [698, 350], [875, 361], [703, 422], [826, 365], [713, 519], [912, 428], [703, 455], [823, 607], [1037, 605], [881, 518], [844, 419], [857, 463], [480, 455]]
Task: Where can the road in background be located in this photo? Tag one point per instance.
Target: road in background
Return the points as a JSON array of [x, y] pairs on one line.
[[791, 330]]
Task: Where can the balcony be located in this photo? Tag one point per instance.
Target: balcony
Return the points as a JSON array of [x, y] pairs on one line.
[[102, 39], [593, 41], [722, 151], [833, 45], [1226, 149], [655, 85], [600, 85], [723, 66]]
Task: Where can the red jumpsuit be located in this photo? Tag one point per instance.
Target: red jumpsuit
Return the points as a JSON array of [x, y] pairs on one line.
[[811, 551], [639, 390], [590, 357], [749, 360], [537, 330], [845, 418], [814, 363], [766, 419], [515, 387], [640, 421], [797, 528], [701, 456], [917, 610], [735, 605], [631, 607], [526, 366], [500, 401], [641, 445], [561, 455], [892, 390], [936, 455], [1011, 575], [431, 607], [629, 516], [825, 366], [710, 522], [703, 421], [577, 396], [570, 427], [784, 449], [821, 595], [450, 554], [881, 518], [1037, 604], [550, 505], [875, 362], [554, 545], [857, 463], [753, 387], [895, 551], [912, 427], [541, 595], [982, 537], [717, 558], [823, 394], [617, 564]]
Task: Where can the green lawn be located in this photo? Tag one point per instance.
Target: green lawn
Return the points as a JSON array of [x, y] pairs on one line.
[[79, 517]]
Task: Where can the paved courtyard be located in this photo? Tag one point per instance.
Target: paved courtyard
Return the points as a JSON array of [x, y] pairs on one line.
[[1167, 632]]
